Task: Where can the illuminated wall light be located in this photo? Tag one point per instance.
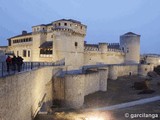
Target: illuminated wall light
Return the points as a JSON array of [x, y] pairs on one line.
[[94, 118]]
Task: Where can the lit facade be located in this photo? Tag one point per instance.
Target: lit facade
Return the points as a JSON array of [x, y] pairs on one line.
[[63, 40]]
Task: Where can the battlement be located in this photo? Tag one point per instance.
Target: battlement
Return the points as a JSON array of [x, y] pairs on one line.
[[114, 46], [63, 25], [91, 47], [114, 50], [103, 44], [62, 29], [76, 26], [67, 29], [109, 47]]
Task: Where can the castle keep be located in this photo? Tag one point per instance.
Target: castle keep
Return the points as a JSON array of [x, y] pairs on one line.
[[63, 40]]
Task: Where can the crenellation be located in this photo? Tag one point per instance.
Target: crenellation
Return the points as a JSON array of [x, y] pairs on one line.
[[88, 48], [115, 50]]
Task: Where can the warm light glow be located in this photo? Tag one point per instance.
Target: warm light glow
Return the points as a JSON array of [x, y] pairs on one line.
[[94, 118], [85, 116], [97, 116], [159, 61]]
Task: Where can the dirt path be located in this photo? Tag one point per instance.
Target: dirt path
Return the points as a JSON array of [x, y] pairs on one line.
[[129, 104], [120, 91]]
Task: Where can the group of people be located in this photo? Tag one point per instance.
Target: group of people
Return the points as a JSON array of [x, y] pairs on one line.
[[14, 63]]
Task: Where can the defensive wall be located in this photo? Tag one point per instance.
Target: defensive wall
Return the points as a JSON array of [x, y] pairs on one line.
[[103, 56], [151, 59], [71, 88], [22, 95], [116, 71]]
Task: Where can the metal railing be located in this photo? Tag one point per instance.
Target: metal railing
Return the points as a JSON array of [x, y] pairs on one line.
[[26, 66]]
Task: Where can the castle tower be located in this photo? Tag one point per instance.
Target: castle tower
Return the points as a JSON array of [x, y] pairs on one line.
[[103, 47], [68, 42], [39, 36], [130, 44]]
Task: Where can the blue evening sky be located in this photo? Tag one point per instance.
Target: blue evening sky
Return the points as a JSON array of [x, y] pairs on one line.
[[106, 19]]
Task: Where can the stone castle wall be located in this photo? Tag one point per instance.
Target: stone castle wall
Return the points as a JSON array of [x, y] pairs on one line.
[[144, 69], [152, 59], [116, 71], [21, 95], [71, 89], [122, 70], [95, 57], [77, 86]]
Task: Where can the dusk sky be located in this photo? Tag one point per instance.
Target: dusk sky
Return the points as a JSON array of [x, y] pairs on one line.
[[106, 19]]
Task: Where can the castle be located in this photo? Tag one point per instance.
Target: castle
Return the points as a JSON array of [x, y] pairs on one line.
[[63, 40]]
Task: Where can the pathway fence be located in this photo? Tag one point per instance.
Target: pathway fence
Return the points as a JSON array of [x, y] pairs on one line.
[[26, 66]]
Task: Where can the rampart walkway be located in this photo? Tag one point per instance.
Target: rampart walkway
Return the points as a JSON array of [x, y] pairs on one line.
[[26, 66]]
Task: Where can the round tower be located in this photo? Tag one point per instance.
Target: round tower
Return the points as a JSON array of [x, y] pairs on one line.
[[103, 47], [130, 44]]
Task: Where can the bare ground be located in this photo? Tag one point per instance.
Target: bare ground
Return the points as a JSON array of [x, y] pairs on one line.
[[119, 91]]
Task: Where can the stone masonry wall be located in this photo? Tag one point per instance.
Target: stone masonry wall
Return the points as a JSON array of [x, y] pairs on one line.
[[96, 81], [77, 86], [74, 90], [21, 95], [144, 69], [96, 57], [119, 70], [123, 70]]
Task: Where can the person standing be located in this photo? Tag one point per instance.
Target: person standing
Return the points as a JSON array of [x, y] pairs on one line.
[[14, 62], [19, 63], [8, 62]]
